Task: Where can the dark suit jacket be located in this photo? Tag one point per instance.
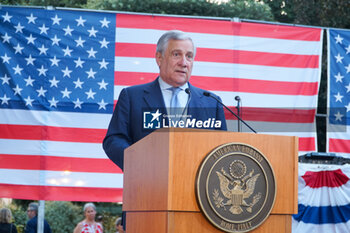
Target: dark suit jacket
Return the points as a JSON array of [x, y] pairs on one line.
[[32, 226], [126, 126]]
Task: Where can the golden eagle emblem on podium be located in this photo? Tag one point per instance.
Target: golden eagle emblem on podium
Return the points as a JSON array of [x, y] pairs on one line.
[[236, 190], [236, 187]]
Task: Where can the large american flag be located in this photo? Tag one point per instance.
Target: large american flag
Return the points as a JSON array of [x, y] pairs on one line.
[[56, 99], [338, 128], [52, 151]]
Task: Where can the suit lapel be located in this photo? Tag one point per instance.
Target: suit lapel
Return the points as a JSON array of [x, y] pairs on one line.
[[153, 96], [195, 107]]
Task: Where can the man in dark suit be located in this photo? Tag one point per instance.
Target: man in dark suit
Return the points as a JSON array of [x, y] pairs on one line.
[[169, 101], [32, 224]]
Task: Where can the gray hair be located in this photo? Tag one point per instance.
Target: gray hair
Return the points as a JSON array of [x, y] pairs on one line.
[[33, 206], [163, 41], [90, 204], [5, 215], [118, 221]]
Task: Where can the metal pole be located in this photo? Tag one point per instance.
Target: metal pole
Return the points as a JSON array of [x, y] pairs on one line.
[[41, 214]]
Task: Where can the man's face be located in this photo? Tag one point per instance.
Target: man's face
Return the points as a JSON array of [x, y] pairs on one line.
[[175, 66], [30, 213]]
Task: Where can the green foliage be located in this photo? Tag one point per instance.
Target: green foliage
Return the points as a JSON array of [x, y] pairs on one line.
[[54, 3], [62, 216], [236, 8], [19, 217], [325, 13]]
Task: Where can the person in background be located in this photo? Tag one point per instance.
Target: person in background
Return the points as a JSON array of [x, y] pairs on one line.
[[119, 225], [5, 221], [32, 224], [89, 225]]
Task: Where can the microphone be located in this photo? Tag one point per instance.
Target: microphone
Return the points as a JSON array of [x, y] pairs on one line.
[[240, 119], [188, 91], [238, 99]]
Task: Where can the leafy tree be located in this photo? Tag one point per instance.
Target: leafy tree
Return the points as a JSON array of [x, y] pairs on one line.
[[62, 216], [239, 8]]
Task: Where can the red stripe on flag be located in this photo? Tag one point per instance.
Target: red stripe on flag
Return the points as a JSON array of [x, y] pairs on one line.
[[307, 144], [51, 133], [339, 145], [52, 193], [53, 163], [217, 27], [273, 115], [227, 84], [320, 179], [226, 56]]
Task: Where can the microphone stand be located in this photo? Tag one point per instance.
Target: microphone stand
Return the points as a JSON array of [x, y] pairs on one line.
[[209, 95]]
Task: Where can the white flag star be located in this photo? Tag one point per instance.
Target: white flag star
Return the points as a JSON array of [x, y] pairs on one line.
[[7, 17], [30, 39], [54, 61], [5, 79], [68, 30], [66, 93], [67, 51], [104, 22], [30, 60], [77, 103], [41, 92], [347, 107], [103, 64], [53, 102], [79, 63], [92, 32], [338, 39], [66, 72], [102, 104], [347, 68], [348, 88], [80, 21], [338, 97], [54, 82], [17, 69], [339, 58], [29, 101], [55, 40], [43, 29], [17, 90], [43, 50], [338, 116], [5, 59], [338, 78], [90, 94], [42, 71], [78, 83], [103, 84], [4, 99], [80, 42], [91, 73], [19, 28], [18, 49], [104, 43], [6, 38], [56, 20], [29, 81], [91, 53], [31, 19]]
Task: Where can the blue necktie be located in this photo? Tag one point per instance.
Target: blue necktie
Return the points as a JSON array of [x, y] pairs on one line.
[[175, 108]]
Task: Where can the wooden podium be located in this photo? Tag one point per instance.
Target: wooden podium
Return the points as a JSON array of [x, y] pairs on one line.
[[160, 173]]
